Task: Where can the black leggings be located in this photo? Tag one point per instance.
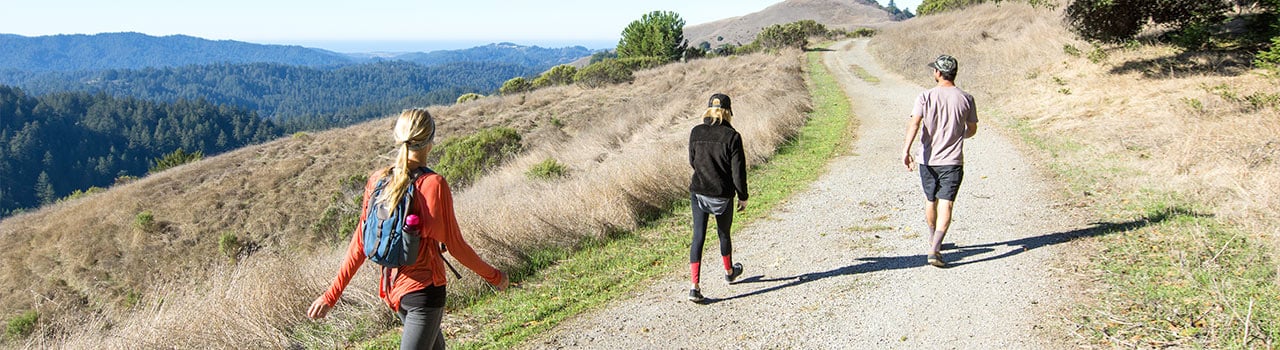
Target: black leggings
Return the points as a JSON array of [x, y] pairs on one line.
[[421, 311], [723, 223]]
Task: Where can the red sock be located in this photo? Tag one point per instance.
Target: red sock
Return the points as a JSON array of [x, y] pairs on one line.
[[695, 268], [728, 262]]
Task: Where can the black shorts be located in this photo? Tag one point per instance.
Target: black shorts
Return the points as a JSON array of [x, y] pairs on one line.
[[941, 182]]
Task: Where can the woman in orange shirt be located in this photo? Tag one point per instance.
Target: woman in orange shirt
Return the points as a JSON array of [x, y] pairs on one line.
[[417, 291]]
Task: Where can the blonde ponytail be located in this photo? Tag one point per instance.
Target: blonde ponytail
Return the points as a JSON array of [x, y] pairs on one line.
[[415, 129], [718, 115]]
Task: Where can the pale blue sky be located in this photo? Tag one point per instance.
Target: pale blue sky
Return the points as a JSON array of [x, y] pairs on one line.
[[374, 24]]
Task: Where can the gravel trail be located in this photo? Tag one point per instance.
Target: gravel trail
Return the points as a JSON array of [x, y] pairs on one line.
[[842, 265]]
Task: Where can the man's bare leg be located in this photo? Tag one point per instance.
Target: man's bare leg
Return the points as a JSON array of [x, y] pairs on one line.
[[941, 223]]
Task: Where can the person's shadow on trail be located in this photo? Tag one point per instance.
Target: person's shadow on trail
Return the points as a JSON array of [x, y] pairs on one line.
[[957, 255]]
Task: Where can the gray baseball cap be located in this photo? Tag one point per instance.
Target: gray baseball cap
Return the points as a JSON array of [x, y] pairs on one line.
[[944, 63]]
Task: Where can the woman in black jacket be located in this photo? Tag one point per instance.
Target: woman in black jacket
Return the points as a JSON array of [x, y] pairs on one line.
[[719, 173]]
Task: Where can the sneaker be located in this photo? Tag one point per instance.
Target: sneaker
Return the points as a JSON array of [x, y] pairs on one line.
[[733, 275], [936, 260], [696, 296]]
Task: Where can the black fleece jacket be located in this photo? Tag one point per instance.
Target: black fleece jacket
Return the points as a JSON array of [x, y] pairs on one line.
[[719, 165]]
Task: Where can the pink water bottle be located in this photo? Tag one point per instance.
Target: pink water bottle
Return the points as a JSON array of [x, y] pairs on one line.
[[411, 223]]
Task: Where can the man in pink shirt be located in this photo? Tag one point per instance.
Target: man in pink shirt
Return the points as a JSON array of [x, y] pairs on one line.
[[943, 116]]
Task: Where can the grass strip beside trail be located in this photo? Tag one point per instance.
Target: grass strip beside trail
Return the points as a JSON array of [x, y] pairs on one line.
[[1172, 274], [600, 272]]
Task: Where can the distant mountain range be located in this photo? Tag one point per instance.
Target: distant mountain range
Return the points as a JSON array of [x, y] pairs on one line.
[[79, 52]]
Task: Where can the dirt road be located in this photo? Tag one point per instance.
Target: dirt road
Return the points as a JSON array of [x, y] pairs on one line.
[[842, 265]]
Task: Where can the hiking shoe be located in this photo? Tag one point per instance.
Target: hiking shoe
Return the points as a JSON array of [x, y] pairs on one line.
[[696, 296], [733, 275], [935, 259]]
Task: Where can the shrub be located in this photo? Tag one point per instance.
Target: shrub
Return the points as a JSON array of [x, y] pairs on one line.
[[515, 85], [1097, 55], [1270, 58], [173, 159], [778, 35], [468, 97], [656, 34], [862, 33], [229, 244], [79, 193], [464, 159], [559, 75], [300, 135], [22, 326], [603, 73], [144, 221], [1070, 50], [124, 179], [929, 7], [547, 169]]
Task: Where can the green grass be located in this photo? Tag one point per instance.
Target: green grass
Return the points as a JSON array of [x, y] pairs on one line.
[[863, 74], [585, 279], [1171, 274]]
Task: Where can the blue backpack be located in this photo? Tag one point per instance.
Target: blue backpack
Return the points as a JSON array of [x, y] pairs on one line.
[[387, 240]]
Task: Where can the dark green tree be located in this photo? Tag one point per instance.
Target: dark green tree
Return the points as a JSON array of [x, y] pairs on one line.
[[656, 34], [44, 190]]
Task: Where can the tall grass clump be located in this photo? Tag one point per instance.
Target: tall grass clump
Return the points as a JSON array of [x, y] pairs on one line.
[[1186, 190]]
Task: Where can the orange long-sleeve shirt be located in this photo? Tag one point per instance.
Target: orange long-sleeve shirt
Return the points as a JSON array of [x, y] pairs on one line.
[[434, 204]]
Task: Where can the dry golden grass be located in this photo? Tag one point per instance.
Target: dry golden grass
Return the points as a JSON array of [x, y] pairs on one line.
[[168, 284]]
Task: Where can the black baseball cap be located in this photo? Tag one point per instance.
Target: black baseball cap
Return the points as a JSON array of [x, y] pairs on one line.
[[721, 101], [945, 64]]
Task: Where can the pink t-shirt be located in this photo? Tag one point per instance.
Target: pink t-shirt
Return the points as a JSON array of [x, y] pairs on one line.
[[944, 112]]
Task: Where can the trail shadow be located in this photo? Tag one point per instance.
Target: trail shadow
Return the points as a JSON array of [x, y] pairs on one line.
[[1097, 229], [1213, 62], [958, 255], [872, 264], [817, 49]]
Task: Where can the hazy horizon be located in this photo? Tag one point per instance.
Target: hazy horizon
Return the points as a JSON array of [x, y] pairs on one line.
[[405, 46]]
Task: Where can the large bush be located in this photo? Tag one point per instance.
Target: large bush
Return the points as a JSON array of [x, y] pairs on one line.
[[929, 7], [464, 159], [468, 97], [656, 34], [515, 85], [1119, 20], [559, 75], [603, 73]]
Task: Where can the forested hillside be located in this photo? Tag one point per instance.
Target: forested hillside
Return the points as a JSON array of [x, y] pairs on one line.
[[137, 50], [297, 97], [55, 144]]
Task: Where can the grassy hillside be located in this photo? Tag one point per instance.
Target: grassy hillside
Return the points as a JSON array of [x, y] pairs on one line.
[[1172, 152], [835, 14], [229, 251]]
